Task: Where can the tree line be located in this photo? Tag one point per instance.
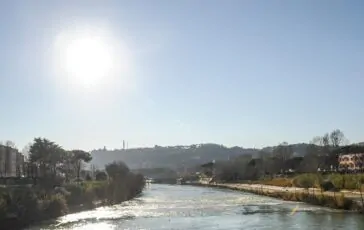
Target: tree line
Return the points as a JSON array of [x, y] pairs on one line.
[[52, 160], [57, 186], [321, 156]]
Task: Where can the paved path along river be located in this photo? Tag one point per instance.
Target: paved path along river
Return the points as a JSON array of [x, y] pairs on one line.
[[188, 207]]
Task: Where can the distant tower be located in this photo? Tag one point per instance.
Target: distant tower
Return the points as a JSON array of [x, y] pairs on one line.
[[123, 144]]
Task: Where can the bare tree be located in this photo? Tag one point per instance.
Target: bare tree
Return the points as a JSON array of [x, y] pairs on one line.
[[328, 142], [336, 138], [325, 141]]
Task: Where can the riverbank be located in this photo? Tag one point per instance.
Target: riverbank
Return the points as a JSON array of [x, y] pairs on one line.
[[14, 222], [337, 200], [24, 206]]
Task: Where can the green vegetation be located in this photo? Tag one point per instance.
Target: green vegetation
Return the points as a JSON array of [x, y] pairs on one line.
[[332, 182], [58, 187], [282, 182], [340, 202], [317, 169], [321, 199], [329, 182], [321, 157], [32, 204], [100, 176], [180, 159]]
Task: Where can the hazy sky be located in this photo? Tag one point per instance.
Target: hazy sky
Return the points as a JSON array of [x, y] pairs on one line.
[[246, 73]]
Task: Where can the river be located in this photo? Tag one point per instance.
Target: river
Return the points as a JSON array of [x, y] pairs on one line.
[[187, 207]]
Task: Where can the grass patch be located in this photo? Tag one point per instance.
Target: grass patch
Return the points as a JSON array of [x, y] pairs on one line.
[[282, 182]]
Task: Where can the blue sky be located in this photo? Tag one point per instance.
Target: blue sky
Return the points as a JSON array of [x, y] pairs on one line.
[[246, 73]]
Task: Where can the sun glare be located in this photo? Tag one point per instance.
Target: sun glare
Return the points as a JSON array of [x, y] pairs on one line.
[[89, 59]]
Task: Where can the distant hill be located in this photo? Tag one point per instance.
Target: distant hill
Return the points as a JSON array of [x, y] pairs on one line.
[[179, 157], [174, 157], [298, 149]]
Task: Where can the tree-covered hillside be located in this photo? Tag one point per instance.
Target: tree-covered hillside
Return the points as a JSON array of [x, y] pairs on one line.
[[174, 157]]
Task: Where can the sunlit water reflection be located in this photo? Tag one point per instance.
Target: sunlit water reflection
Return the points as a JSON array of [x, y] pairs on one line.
[[185, 207]]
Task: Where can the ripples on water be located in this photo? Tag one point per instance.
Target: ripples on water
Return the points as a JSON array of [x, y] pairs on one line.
[[185, 207]]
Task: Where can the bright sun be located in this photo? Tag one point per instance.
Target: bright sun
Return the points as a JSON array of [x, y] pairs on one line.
[[88, 60]]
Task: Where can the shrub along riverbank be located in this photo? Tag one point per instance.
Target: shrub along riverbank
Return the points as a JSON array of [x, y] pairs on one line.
[[334, 181], [331, 190], [49, 184], [22, 206], [338, 201]]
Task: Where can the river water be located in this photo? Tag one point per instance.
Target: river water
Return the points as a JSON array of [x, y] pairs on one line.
[[187, 207]]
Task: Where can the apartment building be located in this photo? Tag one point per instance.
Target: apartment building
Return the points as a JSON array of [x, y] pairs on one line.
[[11, 162], [351, 162]]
